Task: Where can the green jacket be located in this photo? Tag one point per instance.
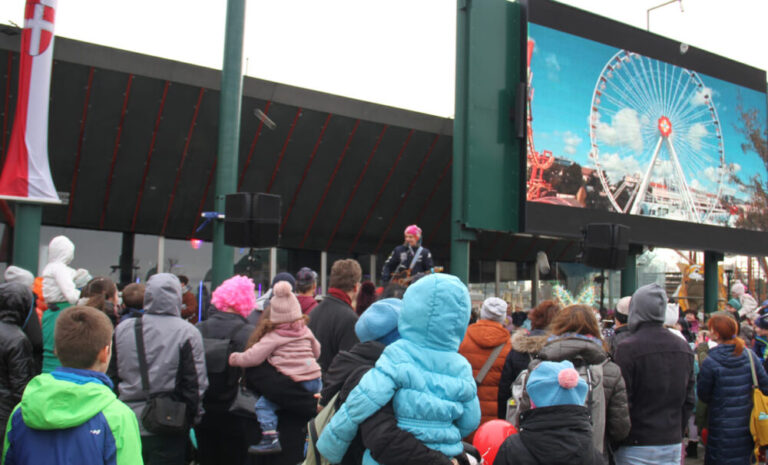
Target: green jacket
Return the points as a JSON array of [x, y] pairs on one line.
[[94, 427]]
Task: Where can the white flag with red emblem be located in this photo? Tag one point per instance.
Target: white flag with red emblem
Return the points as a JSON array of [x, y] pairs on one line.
[[26, 174]]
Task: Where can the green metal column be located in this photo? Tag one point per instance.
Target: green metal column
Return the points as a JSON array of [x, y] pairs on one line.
[[459, 246], [711, 281], [26, 236], [629, 276], [229, 134]]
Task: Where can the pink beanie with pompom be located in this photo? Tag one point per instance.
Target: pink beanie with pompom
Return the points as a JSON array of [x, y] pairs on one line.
[[284, 306], [236, 294]]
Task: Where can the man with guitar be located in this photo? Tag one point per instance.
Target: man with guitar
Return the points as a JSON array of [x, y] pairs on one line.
[[407, 260]]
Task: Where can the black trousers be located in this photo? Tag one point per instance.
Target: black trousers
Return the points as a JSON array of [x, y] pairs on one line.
[[168, 449]]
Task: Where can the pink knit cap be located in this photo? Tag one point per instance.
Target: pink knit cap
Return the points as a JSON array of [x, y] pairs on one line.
[[284, 306], [236, 293]]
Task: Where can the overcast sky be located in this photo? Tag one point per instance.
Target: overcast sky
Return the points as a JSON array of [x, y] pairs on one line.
[[395, 52]]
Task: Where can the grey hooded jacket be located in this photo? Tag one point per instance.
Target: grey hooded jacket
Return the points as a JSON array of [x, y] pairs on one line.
[[174, 350]]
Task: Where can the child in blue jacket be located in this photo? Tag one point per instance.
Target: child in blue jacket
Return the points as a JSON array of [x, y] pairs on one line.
[[431, 386]]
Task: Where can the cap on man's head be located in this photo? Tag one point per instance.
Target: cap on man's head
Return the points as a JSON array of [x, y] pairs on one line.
[[306, 276], [622, 306], [735, 304], [762, 322]]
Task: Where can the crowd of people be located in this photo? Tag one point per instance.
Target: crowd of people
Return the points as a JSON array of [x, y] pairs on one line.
[[92, 374]]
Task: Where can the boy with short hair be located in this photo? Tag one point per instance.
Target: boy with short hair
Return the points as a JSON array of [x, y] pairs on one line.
[[71, 415], [133, 300]]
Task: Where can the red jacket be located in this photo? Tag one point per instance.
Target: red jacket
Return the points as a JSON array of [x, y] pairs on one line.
[[480, 340]]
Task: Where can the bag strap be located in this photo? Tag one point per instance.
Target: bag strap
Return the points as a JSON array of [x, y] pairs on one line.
[[489, 363], [416, 257], [138, 330], [752, 368]]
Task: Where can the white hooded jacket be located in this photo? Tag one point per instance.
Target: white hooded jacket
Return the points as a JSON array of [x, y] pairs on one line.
[[58, 278]]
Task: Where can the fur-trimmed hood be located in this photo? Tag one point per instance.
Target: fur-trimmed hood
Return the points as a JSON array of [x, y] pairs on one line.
[[529, 342]]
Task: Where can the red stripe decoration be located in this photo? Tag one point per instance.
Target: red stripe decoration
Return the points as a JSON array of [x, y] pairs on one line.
[[443, 217], [187, 141], [158, 118], [381, 190], [434, 190], [83, 118], [6, 103], [115, 150], [330, 183], [407, 193], [306, 171], [356, 186], [253, 147], [282, 151], [205, 196]]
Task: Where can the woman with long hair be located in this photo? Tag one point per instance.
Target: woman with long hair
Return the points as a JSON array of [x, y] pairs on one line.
[[725, 385], [576, 337]]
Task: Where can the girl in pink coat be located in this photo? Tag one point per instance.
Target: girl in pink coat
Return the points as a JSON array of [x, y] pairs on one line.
[[284, 340]]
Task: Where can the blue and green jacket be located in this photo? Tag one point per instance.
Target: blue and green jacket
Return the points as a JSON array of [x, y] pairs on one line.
[[71, 416]]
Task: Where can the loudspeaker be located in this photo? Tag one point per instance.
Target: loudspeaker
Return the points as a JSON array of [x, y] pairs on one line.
[[252, 219], [606, 245]]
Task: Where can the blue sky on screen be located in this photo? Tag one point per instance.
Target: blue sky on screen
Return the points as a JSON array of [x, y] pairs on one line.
[[565, 70]]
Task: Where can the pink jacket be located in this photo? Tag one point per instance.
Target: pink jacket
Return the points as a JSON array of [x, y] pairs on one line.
[[291, 348]]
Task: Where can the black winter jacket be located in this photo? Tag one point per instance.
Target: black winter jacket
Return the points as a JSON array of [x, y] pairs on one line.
[[557, 435], [333, 324], [400, 259], [525, 346], [389, 445], [725, 384], [17, 366], [222, 387], [658, 370]]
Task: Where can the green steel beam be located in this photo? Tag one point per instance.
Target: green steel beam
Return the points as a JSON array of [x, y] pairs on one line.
[[26, 236], [629, 276], [459, 247], [711, 281], [229, 134]]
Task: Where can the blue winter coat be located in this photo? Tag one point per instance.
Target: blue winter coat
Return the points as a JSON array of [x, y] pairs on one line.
[[725, 384], [433, 392]]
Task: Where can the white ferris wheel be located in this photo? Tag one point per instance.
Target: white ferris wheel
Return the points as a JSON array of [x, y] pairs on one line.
[[656, 139]]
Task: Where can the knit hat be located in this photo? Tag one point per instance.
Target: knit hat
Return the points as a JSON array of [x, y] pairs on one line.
[[672, 315], [623, 305], [556, 383], [14, 274], [735, 304], [738, 289], [284, 277], [493, 309], [379, 322], [284, 306], [236, 293]]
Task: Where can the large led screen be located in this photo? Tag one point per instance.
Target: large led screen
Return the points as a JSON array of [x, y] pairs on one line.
[[614, 130]]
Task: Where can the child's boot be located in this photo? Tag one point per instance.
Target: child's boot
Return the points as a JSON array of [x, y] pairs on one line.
[[270, 444]]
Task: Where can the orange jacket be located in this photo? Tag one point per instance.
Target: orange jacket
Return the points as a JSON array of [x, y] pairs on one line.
[[40, 305], [480, 340]]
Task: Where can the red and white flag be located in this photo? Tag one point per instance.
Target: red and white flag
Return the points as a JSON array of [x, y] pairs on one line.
[[26, 175]]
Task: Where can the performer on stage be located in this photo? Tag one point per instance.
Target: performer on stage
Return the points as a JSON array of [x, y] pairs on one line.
[[409, 256]]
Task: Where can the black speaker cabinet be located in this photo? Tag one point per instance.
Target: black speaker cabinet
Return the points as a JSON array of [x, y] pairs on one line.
[[252, 220], [606, 245]]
